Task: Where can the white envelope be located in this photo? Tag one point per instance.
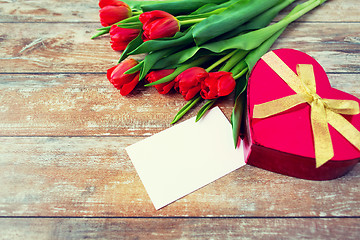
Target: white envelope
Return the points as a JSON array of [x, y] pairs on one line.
[[186, 157]]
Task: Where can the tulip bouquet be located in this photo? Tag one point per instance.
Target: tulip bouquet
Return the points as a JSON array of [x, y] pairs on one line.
[[204, 49]]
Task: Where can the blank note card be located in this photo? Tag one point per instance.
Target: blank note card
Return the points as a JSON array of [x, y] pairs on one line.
[[186, 157]]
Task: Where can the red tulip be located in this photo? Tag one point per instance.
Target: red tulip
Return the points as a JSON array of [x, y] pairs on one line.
[[162, 88], [218, 84], [104, 3], [120, 37], [158, 24], [188, 83], [113, 11], [124, 82]]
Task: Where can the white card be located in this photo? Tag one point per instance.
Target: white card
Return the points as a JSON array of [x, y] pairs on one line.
[[186, 157]]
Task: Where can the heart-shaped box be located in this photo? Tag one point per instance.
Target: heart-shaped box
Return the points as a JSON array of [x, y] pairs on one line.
[[284, 142]]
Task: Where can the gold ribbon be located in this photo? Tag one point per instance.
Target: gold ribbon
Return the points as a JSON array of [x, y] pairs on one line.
[[323, 111]]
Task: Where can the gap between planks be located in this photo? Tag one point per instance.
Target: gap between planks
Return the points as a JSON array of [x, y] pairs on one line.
[[104, 73], [179, 217]]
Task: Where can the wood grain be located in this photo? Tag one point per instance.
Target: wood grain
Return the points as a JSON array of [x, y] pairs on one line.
[[87, 11], [64, 129], [32, 48], [48, 11], [207, 228], [93, 176], [87, 104], [83, 104]]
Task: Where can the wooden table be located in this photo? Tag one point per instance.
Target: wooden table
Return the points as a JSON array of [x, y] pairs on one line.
[[63, 130]]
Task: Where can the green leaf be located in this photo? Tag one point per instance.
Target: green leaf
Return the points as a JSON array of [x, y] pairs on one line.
[[253, 39], [151, 59], [194, 16], [257, 53], [176, 58], [133, 19], [255, 23], [237, 116], [179, 7], [136, 5], [204, 109], [105, 30], [131, 46], [135, 68], [101, 32], [211, 7], [131, 25], [247, 41], [259, 21], [186, 108], [240, 93], [234, 16], [205, 8]]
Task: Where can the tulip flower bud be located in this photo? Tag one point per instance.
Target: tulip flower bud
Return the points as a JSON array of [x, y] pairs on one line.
[[124, 82], [104, 3], [113, 11], [121, 37], [162, 88], [188, 83], [217, 84], [158, 24]]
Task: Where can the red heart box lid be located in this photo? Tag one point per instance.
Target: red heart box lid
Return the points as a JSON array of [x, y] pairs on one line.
[[291, 131]]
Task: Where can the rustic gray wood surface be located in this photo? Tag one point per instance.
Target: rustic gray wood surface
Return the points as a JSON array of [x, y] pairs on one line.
[[63, 130]]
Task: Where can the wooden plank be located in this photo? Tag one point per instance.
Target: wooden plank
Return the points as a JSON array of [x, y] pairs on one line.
[[32, 48], [64, 128], [87, 104], [85, 11], [81, 105], [66, 48], [180, 228], [93, 176], [330, 11], [48, 11]]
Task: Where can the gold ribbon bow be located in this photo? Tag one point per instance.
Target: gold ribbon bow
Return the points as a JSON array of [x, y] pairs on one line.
[[323, 111]]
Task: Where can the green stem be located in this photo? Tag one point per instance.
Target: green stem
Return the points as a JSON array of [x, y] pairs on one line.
[[129, 19], [253, 39], [204, 109], [131, 25], [190, 21], [135, 69], [233, 61], [239, 67], [186, 108], [135, 13], [201, 15], [240, 74], [104, 30], [221, 60], [100, 33], [178, 70]]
